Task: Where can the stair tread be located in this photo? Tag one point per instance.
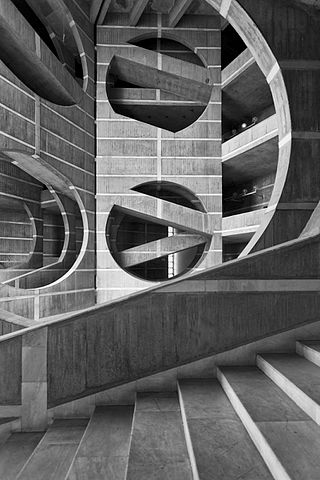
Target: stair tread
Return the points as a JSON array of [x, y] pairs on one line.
[[314, 344], [15, 452], [104, 449], [303, 374], [265, 401], [293, 437], [158, 448], [222, 447], [54, 454]]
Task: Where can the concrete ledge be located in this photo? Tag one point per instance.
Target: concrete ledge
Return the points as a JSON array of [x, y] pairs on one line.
[[241, 226]]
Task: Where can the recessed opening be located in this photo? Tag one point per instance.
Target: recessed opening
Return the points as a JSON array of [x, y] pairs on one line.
[[153, 250], [41, 230], [231, 45], [146, 94]]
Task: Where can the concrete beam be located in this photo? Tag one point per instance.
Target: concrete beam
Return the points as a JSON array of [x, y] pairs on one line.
[[194, 85], [137, 11], [178, 10], [166, 213], [159, 248]]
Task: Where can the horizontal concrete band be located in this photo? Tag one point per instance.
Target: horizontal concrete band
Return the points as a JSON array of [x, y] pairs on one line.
[[281, 285]]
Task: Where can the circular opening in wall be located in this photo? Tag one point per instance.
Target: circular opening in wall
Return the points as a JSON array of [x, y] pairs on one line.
[[41, 227], [169, 91], [160, 239]]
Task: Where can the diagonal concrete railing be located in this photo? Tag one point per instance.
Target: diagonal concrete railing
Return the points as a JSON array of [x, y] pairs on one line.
[[173, 324]]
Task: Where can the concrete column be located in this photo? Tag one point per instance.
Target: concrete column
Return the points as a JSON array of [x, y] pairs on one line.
[[34, 381]]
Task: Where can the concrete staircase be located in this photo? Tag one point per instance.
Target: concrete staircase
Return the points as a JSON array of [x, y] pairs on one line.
[[252, 423]]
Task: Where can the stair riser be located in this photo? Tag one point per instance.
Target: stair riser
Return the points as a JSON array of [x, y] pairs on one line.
[[308, 353], [188, 438], [309, 406], [271, 460]]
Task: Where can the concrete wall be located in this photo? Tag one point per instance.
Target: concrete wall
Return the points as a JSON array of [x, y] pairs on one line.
[[64, 138], [130, 152]]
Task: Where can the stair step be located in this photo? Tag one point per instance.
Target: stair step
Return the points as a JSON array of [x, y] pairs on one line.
[[219, 443], [158, 447], [53, 456], [15, 452], [104, 449], [309, 349], [286, 438], [298, 378]]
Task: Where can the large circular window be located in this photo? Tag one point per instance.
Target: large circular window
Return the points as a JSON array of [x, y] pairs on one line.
[[169, 91], [153, 247]]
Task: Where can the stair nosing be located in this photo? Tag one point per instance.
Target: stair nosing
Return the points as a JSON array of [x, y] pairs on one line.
[[187, 435], [312, 409], [253, 430], [308, 348]]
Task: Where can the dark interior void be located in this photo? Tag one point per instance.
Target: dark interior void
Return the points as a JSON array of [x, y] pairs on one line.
[[169, 47], [245, 197], [63, 47], [231, 45], [171, 192], [169, 117], [126, 231], [151, 105], [154, 270], [247, 99], [133, 232], [240, 111], [159, 269], [36, 24], [232, 250]]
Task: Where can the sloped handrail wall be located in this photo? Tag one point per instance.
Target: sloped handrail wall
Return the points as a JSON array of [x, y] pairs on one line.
[[180, 322]]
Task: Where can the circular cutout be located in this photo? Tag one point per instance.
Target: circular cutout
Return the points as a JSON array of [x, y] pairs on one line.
[[158, 241], [159, 96]]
